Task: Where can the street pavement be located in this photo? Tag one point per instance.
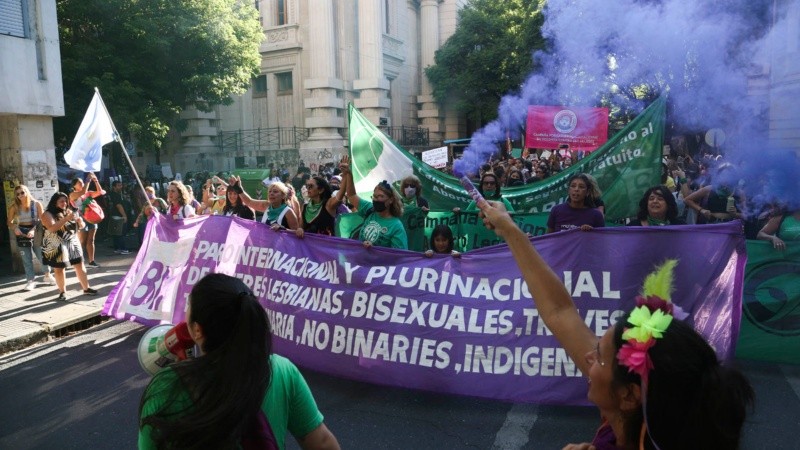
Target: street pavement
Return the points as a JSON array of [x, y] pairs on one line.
[[362, 415], [29, 317]]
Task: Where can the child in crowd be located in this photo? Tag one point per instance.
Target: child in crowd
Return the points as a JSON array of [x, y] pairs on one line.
[[442, 242]]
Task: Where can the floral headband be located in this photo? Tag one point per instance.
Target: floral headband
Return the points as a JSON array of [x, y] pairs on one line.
[[649, 320]]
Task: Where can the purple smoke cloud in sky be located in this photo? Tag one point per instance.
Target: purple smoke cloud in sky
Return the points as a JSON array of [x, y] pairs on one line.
[[704, 54]]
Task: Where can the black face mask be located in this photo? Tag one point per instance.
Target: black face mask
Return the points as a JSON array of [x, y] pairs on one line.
[[379, 206]]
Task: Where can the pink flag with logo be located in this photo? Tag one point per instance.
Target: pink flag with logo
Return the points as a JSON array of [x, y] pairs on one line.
[[579, 127]]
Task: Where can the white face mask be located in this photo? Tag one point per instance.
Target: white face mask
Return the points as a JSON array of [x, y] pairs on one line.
[[410, 191]]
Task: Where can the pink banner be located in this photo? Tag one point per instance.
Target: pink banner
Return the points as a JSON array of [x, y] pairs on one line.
[[580, 128]]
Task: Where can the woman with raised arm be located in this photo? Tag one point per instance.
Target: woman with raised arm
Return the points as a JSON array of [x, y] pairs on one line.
[[237, 393], [277, 212], [382, 224], [656, 381], [86, 235], [319, 214]]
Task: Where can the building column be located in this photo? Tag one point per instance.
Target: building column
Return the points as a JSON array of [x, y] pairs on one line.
[[428, 112], [372, 84], [325, 107], [27, 156]]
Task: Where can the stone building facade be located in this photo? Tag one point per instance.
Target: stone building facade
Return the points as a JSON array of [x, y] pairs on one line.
[[318, 56], [31, 94]]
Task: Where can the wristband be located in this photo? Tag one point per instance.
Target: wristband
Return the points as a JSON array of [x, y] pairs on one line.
[[681, 180]]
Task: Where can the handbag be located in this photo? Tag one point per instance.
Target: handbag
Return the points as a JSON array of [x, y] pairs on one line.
[[91, 211], [24, 241]]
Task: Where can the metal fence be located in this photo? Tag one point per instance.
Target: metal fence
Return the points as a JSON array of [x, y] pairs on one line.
[[261, 139], [408, 136]]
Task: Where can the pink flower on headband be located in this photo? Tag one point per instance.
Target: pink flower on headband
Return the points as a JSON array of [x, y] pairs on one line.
[[633, 355]]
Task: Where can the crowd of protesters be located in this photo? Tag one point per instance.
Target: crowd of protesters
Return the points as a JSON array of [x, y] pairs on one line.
[[691, 191]]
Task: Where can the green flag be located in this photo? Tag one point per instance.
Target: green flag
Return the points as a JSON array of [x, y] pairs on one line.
[[625, 166]]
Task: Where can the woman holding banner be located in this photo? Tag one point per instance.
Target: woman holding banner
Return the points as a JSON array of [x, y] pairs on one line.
[[277, 212], [657, 382], [319, 214], [237, 394], [781, 228], [656, 208], [382, 225], [579, 211], [179, 201]]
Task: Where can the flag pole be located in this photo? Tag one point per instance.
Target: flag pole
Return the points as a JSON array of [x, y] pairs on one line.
[[124, 150]]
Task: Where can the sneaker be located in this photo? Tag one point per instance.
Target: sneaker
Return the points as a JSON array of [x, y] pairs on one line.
[[92, 264], [30, 286], [122, 251], [90, 291], [48, 278], [62, 297]]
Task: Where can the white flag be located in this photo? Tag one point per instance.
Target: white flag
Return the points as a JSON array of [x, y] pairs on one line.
[[95, 131]]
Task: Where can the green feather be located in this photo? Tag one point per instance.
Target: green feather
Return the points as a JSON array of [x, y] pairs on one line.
[[659, 283]]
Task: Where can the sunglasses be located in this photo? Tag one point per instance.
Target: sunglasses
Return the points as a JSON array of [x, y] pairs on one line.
[[311, 186], [20, 193]]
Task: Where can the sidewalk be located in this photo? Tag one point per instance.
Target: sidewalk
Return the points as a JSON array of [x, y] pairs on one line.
[[28, 317]]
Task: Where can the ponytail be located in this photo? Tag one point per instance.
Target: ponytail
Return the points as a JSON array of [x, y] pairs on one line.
[[228, 383]]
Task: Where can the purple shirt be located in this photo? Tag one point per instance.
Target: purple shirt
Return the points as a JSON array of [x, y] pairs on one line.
[[564, 217]]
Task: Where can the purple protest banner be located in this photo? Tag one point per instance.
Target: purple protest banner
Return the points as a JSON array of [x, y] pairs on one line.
[[464, 326]]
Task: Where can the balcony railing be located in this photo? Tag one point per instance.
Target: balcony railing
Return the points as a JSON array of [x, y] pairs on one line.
[[408, 136], [261, 139]]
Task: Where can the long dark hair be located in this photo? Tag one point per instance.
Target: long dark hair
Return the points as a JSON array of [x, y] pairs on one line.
[[235, 208], [325, 187], [444, 231], [227, 384], [692, 400], [663, 192], [54, 210]]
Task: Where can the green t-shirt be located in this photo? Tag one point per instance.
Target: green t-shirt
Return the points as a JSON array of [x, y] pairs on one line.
[[288, 403], [381, 231], [789, 229]]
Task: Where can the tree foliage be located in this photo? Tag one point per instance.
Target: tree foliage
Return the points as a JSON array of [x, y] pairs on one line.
[[489, 55], [153, 58]]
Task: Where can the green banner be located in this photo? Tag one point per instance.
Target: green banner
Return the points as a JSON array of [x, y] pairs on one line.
[[771, 304], [625, 166], [468, 230]]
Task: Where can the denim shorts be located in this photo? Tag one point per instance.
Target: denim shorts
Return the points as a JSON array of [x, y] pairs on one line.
[[89, 226]]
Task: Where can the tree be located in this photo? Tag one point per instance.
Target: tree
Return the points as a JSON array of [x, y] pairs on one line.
[[489, 55], [153, 58]]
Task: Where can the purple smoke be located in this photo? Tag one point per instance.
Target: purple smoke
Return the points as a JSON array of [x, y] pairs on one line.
[[708, 56]]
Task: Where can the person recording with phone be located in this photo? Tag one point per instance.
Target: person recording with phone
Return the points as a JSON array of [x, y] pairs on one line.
[[60, 245]]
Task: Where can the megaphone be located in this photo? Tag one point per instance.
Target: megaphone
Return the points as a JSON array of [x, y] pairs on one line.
[[163, 345]]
